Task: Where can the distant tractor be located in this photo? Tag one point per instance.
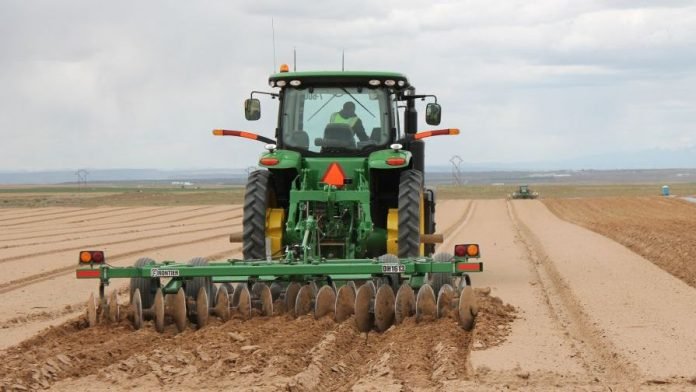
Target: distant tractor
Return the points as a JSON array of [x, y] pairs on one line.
[[524, 193]]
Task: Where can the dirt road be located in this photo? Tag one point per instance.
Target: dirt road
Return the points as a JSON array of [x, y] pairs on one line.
[[585, 313]]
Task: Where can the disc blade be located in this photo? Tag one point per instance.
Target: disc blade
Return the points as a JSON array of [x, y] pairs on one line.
[[91, 310], [266, 297], [202, 306], [137, 305], [305, 300], [112, 310], [384, 308], [325, 302], [276, 290], [158, 310], [222, 304], [179, 310], [444, 300], [244, 301], [465, 310], [345, 303], [405, 304], [256, 289], [364, 318], [315, 288], [426, 308], [290, 296]]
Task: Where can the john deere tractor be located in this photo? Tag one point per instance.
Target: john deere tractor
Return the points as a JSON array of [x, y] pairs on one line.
[[336, 222], [523, 192]]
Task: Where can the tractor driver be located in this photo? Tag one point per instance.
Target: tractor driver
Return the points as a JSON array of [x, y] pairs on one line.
[[347, 116]]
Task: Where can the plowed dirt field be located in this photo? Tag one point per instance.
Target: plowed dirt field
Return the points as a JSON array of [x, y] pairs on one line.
[[561, 307]]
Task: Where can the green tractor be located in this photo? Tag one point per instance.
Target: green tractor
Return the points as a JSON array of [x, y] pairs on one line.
[[523, 192], [336, 222]]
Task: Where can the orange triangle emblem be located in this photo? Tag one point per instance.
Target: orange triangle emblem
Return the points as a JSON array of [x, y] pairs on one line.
[[334, 175]]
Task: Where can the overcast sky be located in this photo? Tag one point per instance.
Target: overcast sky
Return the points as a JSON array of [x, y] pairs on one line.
[[141, 84]]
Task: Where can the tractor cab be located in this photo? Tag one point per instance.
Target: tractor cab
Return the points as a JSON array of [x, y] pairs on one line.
[[328, 113]]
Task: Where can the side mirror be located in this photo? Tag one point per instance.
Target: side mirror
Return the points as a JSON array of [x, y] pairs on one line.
[[433, 112], [252, 109]]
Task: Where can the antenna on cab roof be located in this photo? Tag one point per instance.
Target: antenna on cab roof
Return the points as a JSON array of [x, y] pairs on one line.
[[273, 37]]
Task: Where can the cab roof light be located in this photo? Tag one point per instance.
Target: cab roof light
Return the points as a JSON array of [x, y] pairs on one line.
[[284, 68]]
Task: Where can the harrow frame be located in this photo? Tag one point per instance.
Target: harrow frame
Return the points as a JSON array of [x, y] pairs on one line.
[[413, 271]]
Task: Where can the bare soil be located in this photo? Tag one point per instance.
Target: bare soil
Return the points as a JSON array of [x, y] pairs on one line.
[[663, 230], [562, 307]]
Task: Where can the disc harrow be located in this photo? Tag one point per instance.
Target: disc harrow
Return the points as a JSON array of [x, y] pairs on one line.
[[371, 303]]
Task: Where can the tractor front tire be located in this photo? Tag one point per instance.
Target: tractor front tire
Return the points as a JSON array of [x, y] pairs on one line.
[[257, 199], [410, 213]]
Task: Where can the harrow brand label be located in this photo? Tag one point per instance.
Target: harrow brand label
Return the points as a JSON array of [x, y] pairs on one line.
[[393, 267], [163, 273]]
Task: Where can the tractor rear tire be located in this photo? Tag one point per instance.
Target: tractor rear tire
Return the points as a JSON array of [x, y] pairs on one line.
[[410, 213], [438, 279], [147, 286], [257, 199], [194, 284]]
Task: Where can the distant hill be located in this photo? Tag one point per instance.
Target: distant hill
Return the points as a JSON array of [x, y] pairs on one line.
[[648, 162], [112, 175], [647, 159]]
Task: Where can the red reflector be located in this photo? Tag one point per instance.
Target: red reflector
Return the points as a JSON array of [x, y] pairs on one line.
[[469, 267], [460, 250], [90, 273], [269, 161], [334, 175], [396, 161]]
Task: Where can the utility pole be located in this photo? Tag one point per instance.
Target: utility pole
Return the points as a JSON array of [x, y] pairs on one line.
[[456, 170]]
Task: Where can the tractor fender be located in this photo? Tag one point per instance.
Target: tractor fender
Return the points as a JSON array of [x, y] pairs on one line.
[[381, 159]]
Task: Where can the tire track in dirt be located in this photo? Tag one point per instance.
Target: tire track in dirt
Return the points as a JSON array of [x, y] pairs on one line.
[[21, 214], [96, 221], [115, 211], [598, 356], [450, 234], [100, 245], [52, 232], [62, 240], [32, 279]]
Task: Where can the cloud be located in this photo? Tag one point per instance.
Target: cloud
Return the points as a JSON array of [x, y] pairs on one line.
[[140, 84]]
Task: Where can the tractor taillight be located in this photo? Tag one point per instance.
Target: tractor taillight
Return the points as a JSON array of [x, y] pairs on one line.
[[396, 161], [269, 161], [466, 250], [91, 256]]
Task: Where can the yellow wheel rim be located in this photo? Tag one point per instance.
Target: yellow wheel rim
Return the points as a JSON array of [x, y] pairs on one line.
[[275, 218]]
